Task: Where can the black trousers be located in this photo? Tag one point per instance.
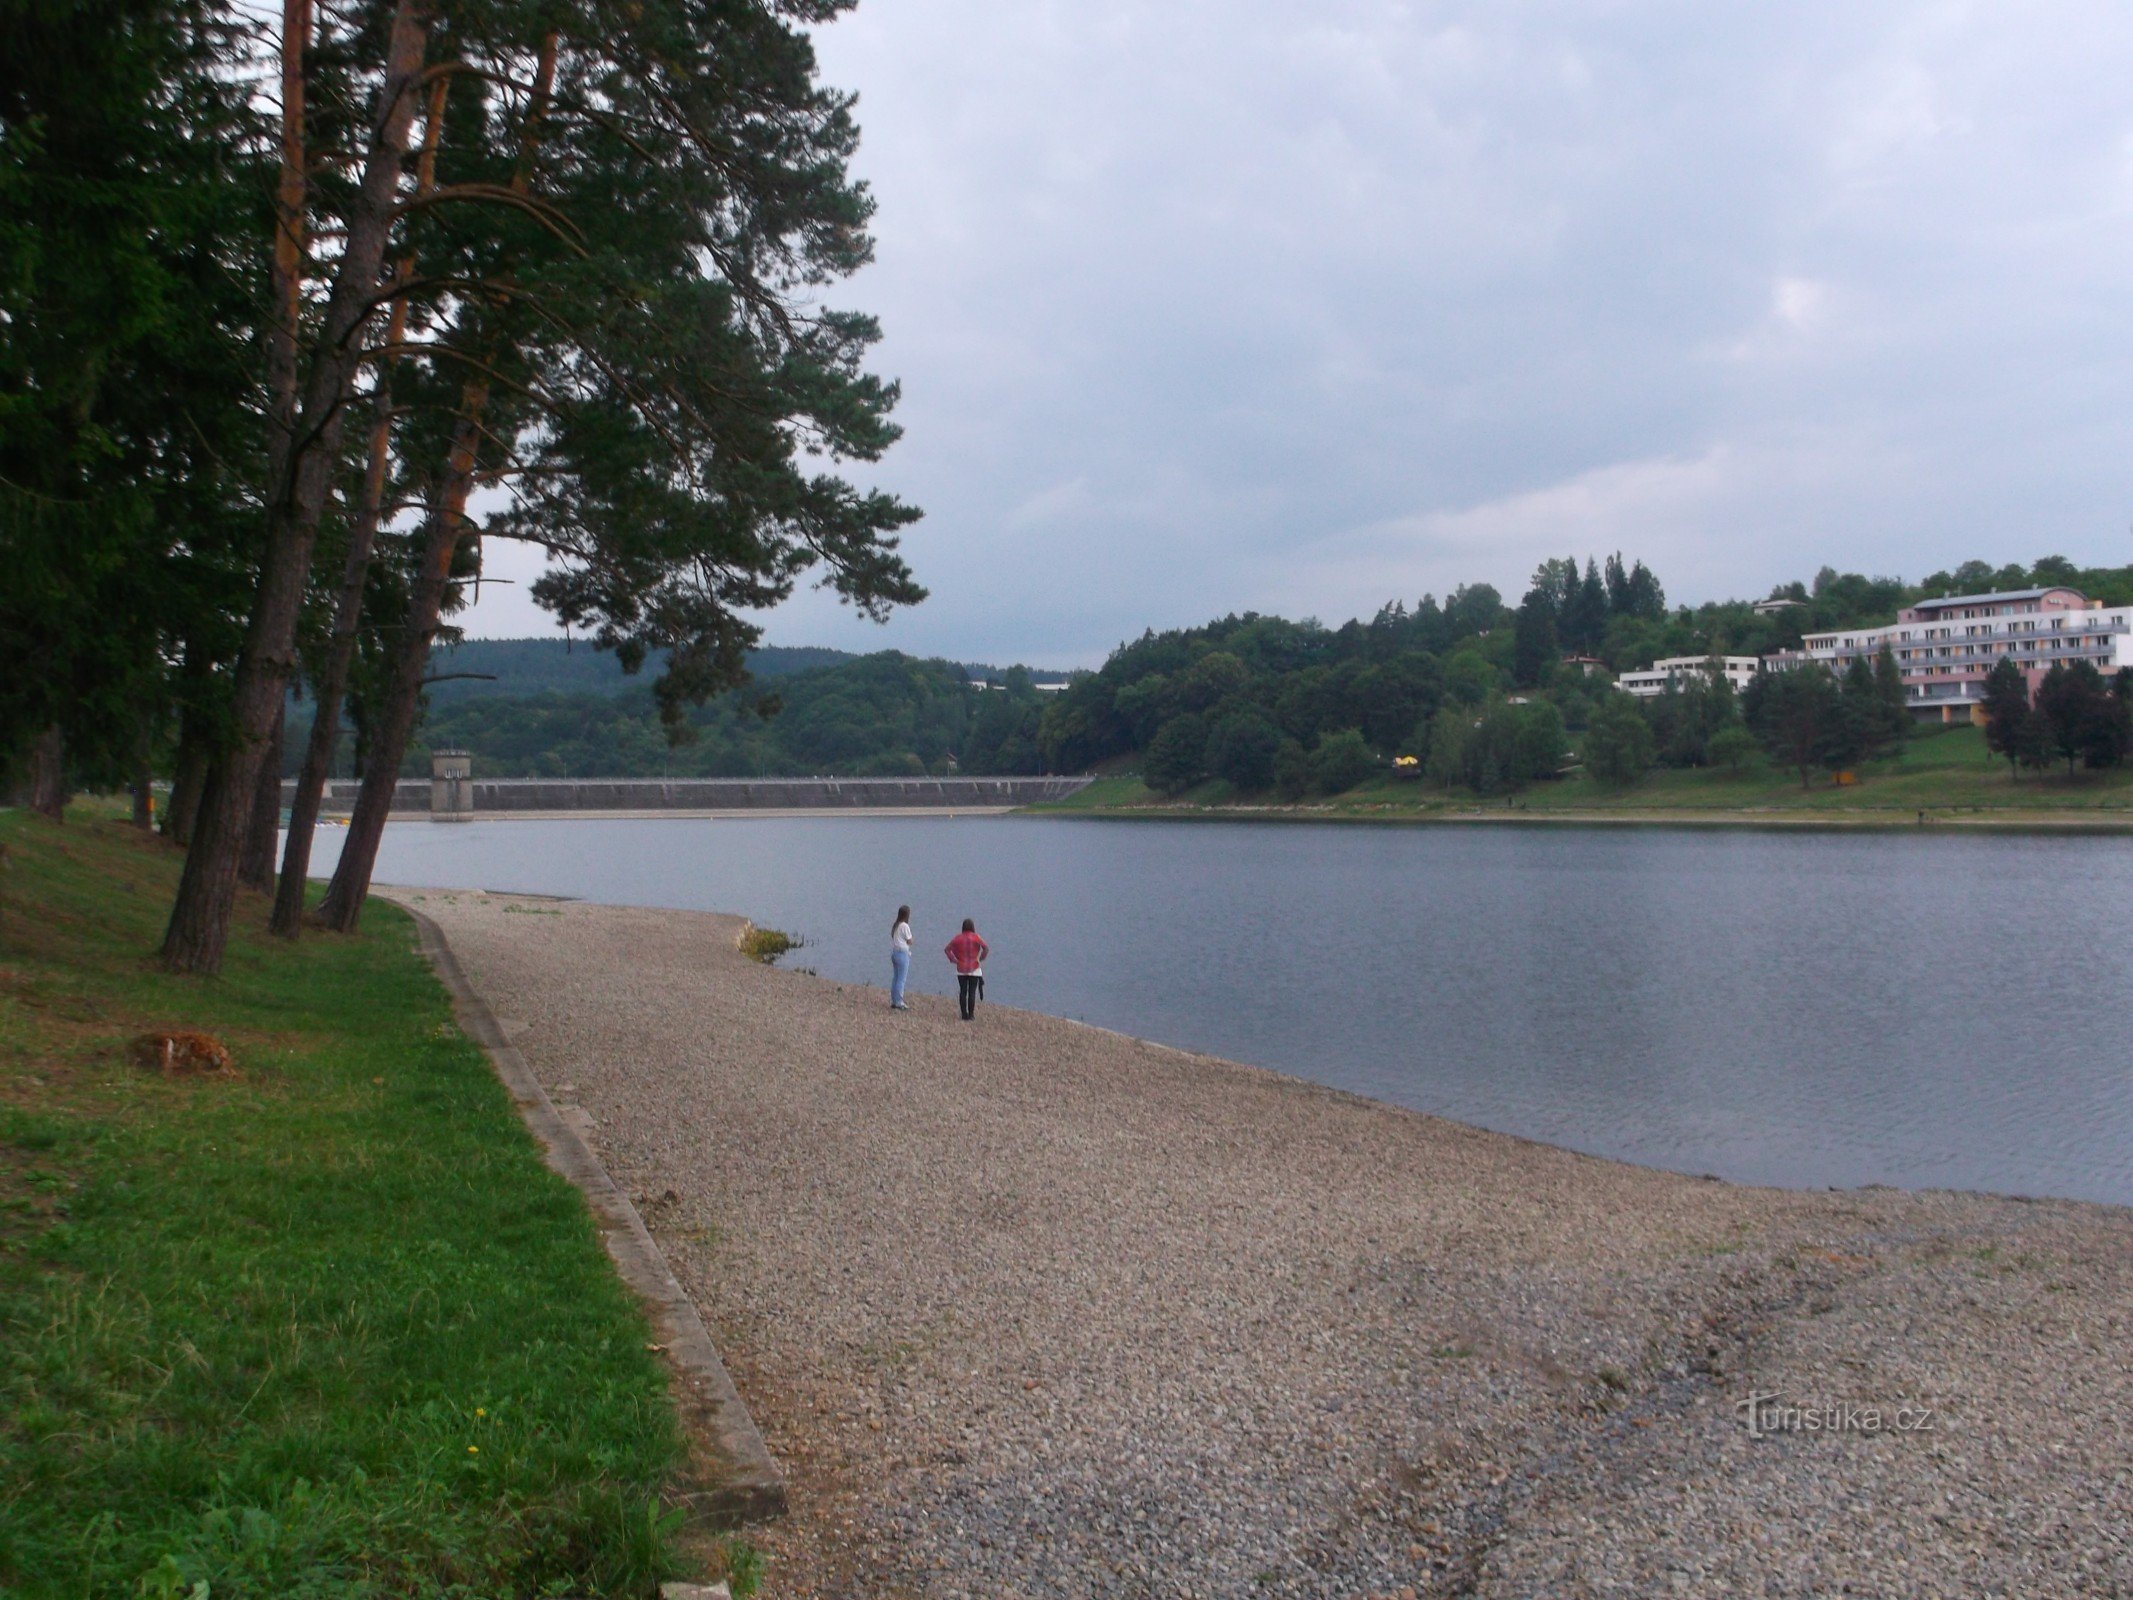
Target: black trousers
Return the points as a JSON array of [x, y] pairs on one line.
[[969, 989]]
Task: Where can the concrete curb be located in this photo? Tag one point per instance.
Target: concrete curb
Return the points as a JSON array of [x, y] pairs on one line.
[[747, 1485]]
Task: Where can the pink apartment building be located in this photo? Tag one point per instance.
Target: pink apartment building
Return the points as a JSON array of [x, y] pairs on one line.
[[1944, 648]]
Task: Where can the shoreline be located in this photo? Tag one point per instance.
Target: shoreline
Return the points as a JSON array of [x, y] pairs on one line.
[[410, 895], [1773, 819], [1029, 1306], [686, 814], [1892, 821]]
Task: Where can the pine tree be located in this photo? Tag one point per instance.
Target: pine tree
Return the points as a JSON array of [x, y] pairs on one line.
[[1892, 704], [130, 160], [1584, 625], [638, 364], [1795, 714], [301, 467], [2006, 705], [2072, 699], [1534, 643]]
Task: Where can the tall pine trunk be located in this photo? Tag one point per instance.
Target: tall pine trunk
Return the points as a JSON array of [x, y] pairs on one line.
[[187, 784], [332, 685], [144, 779], [256, 869], [395, 722], [395, 725], [327, 693], [48, 774], [207, 892]]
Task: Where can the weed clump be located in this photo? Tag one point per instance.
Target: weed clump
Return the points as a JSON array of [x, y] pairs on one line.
[[767, 944]]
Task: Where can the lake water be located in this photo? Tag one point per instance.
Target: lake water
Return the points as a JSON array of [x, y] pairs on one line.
[[1794, 1008]]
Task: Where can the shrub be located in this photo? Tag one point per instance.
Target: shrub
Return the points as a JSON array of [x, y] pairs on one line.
[[1619, 743], [1177, 758], [1242, 749], [1733, 747], [766, 944], [1292, 770], [1341, 761]]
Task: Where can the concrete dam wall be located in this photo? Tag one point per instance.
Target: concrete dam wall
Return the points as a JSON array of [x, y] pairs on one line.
[[502, 796]]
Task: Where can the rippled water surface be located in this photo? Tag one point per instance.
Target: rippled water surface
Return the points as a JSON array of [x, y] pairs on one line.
[[1791, 1008]]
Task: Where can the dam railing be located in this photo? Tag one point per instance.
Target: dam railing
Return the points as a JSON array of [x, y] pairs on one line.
[[503, 796]]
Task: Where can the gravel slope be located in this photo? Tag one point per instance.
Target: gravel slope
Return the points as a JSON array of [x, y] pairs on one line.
[[1027, 1308]]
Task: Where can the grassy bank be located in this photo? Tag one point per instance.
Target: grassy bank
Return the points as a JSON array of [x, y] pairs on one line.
[[326, 1326], [1946, 773]]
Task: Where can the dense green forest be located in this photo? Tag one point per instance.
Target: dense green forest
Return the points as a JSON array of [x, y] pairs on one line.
[[1474, 693], [470, 669], [809, 711], [475, 669]]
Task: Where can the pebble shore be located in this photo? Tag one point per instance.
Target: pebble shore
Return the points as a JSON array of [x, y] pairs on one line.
[[1025, 1308]]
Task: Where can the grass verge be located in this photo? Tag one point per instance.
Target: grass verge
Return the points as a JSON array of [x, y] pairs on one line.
[[327, 1326], [1947, 773]]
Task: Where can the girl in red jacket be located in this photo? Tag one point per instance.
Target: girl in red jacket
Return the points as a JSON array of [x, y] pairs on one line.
[[968, 952]]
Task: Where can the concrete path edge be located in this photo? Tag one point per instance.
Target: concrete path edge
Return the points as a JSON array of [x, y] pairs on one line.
[[747, 1486]]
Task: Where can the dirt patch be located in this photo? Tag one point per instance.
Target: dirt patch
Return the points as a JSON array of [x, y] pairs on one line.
[[182, 1055]]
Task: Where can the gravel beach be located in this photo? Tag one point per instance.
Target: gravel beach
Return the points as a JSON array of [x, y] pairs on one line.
[[1028, 1308]]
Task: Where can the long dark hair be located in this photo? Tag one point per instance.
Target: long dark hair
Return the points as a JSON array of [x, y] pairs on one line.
[[903, 915]]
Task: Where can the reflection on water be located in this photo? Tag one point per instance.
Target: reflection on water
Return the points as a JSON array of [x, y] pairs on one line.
[[1792, 1008]]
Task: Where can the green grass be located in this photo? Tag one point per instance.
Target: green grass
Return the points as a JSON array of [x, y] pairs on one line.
[[327, 1327], [1947, 772]]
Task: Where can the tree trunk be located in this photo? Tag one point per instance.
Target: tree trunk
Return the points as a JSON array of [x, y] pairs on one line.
[[395, 722], [188, 783], [256, 870], [144, 791], [327, 692], [286, 277], [207, 892], [343, 905], [332, 684], [48, 774]]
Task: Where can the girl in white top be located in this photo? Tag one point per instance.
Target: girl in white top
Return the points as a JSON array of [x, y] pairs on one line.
[[899, 958]]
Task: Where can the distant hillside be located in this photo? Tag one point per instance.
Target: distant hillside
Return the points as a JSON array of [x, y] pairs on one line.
[[519, 667], [556, 712]]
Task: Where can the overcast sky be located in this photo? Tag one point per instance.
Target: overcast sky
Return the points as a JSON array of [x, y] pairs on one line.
[[1213, 305]]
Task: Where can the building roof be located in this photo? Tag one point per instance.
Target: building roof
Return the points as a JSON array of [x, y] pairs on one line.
[[1993, 599]]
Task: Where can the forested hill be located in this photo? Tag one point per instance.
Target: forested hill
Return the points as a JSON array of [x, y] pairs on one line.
[[1478, 692], [556, 713], [518, 667], [1256, 700]]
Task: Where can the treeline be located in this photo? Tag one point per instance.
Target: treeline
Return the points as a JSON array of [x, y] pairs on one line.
[[482, 668], [466, 669], [1471, 693], [2076, 715], [883, 715], [283, 300], [1266, 703]]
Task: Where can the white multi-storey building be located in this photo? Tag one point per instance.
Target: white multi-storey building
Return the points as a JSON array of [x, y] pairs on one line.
[[1944, 648], [1654, 680]]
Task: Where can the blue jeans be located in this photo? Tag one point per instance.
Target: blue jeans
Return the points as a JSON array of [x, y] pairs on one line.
[[900, 962]]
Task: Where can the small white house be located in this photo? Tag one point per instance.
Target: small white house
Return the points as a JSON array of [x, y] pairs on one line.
[[1652, 681]]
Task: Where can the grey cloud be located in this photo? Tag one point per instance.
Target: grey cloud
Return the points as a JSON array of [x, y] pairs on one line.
[[1211, 306]]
